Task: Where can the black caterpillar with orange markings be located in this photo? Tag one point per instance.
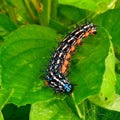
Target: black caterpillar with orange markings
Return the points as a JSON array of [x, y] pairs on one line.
[[57, 68]]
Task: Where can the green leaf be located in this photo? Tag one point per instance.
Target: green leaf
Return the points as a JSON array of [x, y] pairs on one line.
[[26, 51], [107, 91], [54, 110], [107, 97], [1, 116], [96, 6], [23, 54]]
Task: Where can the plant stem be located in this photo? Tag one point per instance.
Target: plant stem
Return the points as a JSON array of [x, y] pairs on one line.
[[10, 11], [34, 18], [12, 14], [54, 6], [44, 16], [77, 108]]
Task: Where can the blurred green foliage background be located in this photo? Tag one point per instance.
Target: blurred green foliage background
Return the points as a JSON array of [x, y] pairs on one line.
[[29, 30]]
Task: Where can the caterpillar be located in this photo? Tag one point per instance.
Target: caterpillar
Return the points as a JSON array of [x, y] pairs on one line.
[[57, 69]]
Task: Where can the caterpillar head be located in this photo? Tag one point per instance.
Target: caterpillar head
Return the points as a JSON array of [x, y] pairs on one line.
[[68, 88]]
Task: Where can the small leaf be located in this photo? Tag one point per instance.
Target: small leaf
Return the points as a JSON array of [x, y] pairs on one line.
[[109, 78]]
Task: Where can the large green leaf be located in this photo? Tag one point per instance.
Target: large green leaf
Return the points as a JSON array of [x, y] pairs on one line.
[[26, 51], [23, 54]]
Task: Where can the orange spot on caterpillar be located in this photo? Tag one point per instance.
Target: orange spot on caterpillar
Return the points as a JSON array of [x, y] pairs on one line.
[[68, 56], [72, 49], [65, 62], [63, 70], [87, 34], [78, 41], [92, 31]]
